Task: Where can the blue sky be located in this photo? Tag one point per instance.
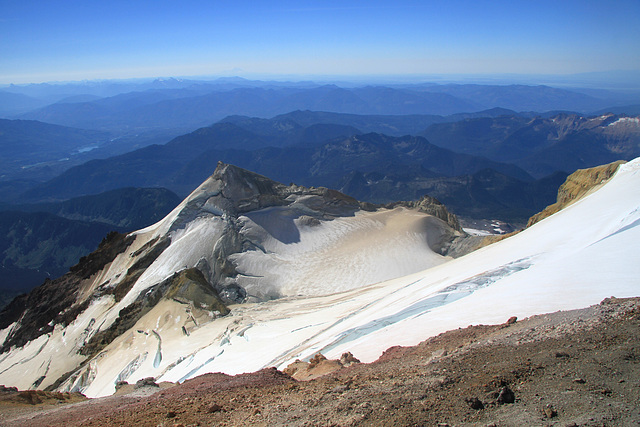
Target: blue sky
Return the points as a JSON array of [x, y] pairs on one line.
[[89, 39]]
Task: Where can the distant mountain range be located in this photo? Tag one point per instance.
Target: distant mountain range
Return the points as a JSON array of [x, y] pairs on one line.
[[306, 147], [484, 151], [186, 105], [564, 142], [18, 103], [521, 97], [330, 149], [182, 163], [37, 151], [184, 109], [541, 145], [394, 125]]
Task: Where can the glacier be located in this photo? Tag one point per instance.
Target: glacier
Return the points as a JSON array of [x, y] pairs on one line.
[[335, 289]]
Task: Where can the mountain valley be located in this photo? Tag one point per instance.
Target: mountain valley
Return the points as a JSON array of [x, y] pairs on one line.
[[487, 176], [279, 283]]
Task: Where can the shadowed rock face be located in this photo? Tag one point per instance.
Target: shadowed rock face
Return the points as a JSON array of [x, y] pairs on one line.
[[187, 287], [247, 191]]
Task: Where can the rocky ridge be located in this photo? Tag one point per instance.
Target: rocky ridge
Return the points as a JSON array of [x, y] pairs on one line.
[[131, 274], [431, 206], [577, 185]]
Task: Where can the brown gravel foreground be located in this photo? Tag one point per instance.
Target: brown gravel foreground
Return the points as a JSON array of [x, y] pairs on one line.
[[575, 368]]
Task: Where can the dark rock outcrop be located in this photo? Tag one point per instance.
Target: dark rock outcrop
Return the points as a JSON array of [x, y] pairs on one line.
[[187, 287], [57, 301], [474, 403], [506, 395]]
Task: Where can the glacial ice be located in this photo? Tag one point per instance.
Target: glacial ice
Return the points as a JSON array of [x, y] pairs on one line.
[[572, 259]]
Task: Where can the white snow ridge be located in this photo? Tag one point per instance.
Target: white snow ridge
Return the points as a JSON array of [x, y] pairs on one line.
[[358, 281]]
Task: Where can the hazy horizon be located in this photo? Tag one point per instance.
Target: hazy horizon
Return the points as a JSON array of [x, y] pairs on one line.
[[616, 80], [75, 41]]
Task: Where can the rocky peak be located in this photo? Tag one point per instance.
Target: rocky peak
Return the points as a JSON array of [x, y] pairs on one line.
[[244, 191], [239, 237], [431, 206], [233, 191]]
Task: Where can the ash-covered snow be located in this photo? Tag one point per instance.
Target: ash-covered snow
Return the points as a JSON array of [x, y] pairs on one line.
[[575, 258], [333, 256]]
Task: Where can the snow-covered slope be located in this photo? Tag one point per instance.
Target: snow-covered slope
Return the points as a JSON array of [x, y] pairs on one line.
[[239, 237], [574, 258]]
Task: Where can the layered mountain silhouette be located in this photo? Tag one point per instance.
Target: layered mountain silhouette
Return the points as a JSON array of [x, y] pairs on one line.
[[562, 142], [196, 104], [182, 163], [393, 125], [376, 167], [183, 109], [521, 97]]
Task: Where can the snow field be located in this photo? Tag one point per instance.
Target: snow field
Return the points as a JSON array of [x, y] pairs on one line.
[[572, 259]]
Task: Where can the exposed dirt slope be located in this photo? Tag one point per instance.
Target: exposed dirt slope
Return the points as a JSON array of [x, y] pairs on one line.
[[578, 184], [576, 368]]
